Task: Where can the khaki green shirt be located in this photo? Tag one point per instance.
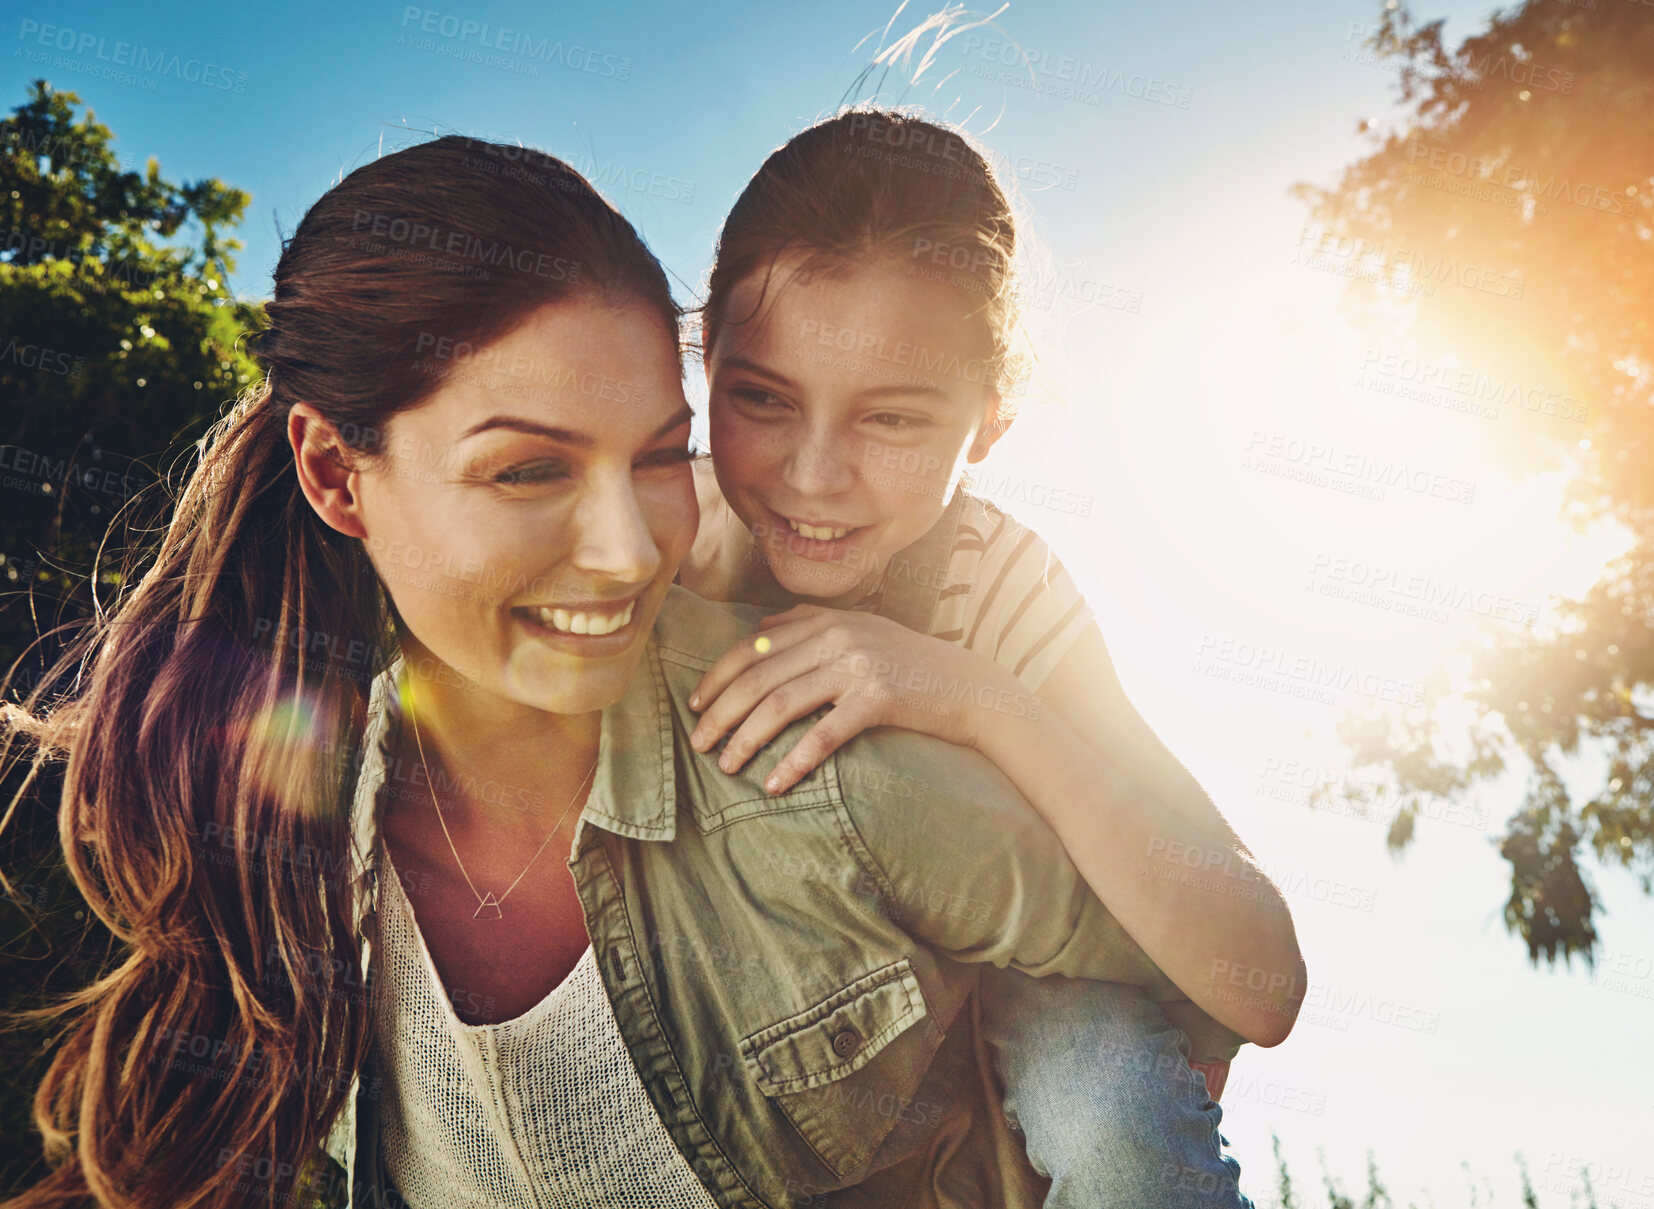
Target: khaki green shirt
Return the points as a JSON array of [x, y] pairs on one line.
[[792, 973]]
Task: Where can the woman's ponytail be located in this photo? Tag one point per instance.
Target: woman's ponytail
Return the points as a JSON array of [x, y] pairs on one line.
[[212, 742]]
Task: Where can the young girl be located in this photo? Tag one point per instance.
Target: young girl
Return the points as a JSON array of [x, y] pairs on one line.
[[856, 339], [412, 624]]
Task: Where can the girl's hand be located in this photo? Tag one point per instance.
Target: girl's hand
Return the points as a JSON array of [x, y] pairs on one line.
[[1217, 1074], [1210, 1043], [875, 671]]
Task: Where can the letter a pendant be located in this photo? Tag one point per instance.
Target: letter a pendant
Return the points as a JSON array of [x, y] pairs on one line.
[[489, 903]]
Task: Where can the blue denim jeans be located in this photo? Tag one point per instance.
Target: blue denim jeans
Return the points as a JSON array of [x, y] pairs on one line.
[[1099, 1085]]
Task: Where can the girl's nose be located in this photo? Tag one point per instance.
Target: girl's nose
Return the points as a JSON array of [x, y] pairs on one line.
[[825, 464]]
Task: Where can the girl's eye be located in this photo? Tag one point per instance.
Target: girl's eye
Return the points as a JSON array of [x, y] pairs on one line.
[[531, 473], [756, 397], [891, 419]]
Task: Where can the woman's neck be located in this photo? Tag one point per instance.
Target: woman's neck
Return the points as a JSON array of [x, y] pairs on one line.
[[490, 755]]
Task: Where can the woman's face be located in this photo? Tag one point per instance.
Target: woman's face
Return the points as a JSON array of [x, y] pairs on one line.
[[531, 514], [842, 415]]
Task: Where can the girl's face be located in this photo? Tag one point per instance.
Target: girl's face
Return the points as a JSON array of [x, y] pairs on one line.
[[842, 414], [532, 513]]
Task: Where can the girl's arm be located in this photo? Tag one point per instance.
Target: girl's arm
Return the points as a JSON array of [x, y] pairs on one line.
[[1135, 820], [1135, 823]]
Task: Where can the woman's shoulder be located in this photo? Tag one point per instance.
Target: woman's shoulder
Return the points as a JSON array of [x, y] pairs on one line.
[[695, 630], [692, 633]]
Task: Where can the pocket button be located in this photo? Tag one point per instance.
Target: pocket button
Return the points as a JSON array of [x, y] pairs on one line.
[[846, 1042]]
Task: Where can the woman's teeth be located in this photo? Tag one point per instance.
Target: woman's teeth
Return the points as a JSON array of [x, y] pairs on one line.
[[566, 622], [819, 533]]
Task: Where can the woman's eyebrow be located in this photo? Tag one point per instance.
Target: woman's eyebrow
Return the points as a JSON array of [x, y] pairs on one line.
[[567, 436], [678, 418]]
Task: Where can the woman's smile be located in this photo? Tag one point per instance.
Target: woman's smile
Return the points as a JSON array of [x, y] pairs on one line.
[[591, 630], [595, 620]]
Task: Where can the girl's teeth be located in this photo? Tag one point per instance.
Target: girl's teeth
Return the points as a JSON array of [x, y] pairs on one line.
[[819, 533], [566, 622]]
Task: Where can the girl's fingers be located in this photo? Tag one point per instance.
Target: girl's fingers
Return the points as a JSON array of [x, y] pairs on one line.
[[796, 613], [737, 698], [743, 655], [778, 710], [842, 723]]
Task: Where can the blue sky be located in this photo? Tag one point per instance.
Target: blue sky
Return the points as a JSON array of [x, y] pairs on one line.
[[1182, 547], [706, 94]]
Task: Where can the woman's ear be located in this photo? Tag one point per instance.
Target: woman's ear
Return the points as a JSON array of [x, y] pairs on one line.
[[995, 420], [326, 470]]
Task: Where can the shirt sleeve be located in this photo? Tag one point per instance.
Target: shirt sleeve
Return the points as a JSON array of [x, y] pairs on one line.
[[965, 865], [1011, 597], [969, 866]]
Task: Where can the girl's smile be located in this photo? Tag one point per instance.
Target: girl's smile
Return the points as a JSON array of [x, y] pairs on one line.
[[818, 541]]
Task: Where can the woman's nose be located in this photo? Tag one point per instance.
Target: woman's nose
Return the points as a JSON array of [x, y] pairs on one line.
[[614, 537]]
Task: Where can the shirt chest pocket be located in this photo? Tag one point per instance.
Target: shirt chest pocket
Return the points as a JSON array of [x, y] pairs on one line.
[[844, 1071]]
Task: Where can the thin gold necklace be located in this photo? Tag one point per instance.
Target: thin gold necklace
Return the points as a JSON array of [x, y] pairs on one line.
[[487, 901]]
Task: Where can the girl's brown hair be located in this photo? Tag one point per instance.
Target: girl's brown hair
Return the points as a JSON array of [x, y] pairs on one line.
[[871, 183], [212, 745]]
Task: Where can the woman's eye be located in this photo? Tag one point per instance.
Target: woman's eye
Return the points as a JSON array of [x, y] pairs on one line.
[[531, 473], [668, 457]]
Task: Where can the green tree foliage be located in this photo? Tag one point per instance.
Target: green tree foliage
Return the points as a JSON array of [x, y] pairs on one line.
[[1530, 1199], [1519, 188], [118, 337], [118, 346], [1284, 1198]]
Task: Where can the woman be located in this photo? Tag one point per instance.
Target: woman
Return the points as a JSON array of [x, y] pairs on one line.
[[412, 624]]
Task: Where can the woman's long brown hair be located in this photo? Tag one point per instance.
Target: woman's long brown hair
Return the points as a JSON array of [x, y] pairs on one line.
[[213, 738]]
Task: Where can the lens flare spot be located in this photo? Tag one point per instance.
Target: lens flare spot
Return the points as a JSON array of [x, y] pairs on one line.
[[280, 740], [290, 721]]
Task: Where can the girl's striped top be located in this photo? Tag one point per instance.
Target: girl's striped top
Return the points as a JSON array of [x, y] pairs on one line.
[[1006, 595]]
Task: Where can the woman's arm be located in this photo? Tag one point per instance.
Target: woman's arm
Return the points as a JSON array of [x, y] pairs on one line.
[[1137, 826]]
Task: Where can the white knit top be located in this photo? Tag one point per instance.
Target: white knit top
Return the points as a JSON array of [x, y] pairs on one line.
[[543, 1111]]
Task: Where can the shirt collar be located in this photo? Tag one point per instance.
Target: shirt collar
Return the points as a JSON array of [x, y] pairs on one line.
[[634, 790]]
